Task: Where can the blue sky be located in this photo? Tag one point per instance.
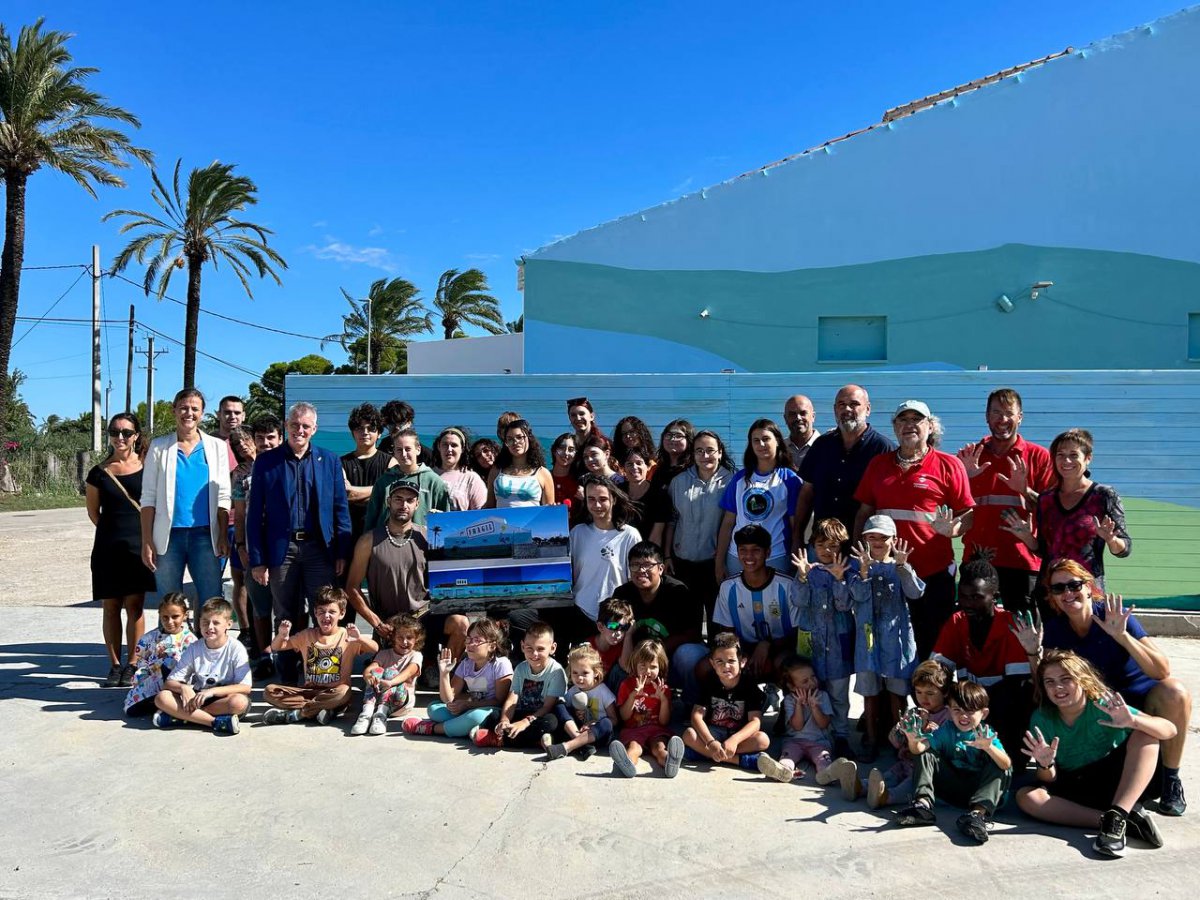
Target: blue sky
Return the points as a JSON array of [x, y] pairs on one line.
[[403, 139]]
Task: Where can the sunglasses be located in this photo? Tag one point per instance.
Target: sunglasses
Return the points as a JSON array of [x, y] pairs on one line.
[[1063, 586], [126, 433], [617, 626]]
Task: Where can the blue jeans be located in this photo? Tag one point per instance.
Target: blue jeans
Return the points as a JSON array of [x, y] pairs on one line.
[[190, 548], [683, 670]]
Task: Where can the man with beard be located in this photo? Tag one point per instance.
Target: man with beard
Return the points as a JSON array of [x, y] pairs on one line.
[[391, 559], [835, 463], [1006, 472], [979, 644], [800, 418]]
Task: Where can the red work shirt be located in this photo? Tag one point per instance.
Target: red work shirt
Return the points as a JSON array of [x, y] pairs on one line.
[[911, 497], [986, 539], [1000, 655]]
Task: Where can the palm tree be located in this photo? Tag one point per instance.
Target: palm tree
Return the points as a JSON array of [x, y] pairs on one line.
[[396, 313], [463, 298], [194, 230], [517, 326], [48, 119]]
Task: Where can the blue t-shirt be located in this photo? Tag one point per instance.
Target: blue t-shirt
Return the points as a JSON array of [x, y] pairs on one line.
[[767, 500], [191, 488], [953, 746], [1113, 661]]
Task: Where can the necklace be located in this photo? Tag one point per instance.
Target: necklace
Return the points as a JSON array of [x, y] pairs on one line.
[[910, 462], [398, 542]]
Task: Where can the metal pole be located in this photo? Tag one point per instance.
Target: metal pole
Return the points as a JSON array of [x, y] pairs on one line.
[[129, 366], [150, 385], [96, 386]]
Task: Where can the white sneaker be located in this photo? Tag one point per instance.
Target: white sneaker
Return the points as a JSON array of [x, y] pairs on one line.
[[360, 724], [378, 724]]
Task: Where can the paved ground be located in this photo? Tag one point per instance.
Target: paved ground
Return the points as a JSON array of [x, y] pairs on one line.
[[100, 807]]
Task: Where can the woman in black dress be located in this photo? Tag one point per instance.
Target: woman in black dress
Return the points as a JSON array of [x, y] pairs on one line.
[[119, 578]]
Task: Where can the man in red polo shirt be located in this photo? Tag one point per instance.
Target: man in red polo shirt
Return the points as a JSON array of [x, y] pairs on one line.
[[1006, 472], [927, 494]]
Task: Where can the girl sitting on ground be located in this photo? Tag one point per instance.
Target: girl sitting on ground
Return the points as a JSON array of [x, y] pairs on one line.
[[157, 652], [391, 678]]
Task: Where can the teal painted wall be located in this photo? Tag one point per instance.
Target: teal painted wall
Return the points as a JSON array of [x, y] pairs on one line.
[[1080, 171], [1146, 426]]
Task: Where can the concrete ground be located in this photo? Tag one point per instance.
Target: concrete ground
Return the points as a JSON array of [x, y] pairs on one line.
[[103, 807]]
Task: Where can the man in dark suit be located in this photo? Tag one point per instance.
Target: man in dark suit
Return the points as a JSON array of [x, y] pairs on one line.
[[297, 525]]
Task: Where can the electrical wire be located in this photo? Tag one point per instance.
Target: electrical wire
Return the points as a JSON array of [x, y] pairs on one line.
[[51, 309]]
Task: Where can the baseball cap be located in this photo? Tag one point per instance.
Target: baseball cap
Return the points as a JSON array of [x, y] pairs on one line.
[[880, 525], [915, 405], [403, 484]]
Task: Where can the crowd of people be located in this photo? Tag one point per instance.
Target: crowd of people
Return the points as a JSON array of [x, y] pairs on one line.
[[710, 600]]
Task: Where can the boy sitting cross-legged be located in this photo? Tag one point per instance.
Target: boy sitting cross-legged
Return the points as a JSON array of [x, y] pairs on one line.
[[727, 722], [328, 652], [210, 685]]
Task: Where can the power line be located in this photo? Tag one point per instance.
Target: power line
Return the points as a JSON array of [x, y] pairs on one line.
[[209, 312], [180, 343], [46, 268], [52, 305]]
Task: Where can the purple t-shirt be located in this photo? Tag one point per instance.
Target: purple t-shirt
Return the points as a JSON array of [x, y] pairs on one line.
[[481, 681]]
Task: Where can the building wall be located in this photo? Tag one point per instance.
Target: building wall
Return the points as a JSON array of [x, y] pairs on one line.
[[496, 354], [1146, 426], [1080, 171]]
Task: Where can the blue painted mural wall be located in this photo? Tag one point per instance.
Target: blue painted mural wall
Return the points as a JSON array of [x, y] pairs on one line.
[[1146, 426], [1080, 171]]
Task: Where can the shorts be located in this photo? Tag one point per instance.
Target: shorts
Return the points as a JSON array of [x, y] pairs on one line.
[[869, 684], [235, 558], [645, 734], [1095, 784]]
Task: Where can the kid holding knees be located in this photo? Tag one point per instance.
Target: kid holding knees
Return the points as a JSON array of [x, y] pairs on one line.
[[822, 602], [589, 709], [726, 725], [962, 760], [538, 685], [328, 652], [157, 653], [885, 647], [1096, 756], [391, 678], [211, 684], [644, 701], [471, 690], [931, 686]]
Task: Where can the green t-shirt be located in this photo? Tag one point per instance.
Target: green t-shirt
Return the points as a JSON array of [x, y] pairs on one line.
[[1086, 741]]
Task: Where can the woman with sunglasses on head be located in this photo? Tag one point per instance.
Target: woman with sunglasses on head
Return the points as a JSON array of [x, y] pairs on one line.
[[1079, 518], [1102, 630], [120, 579], [520, 476], [582, 417]]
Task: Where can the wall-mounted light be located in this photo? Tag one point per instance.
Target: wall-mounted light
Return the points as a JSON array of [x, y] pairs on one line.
[[1004, 303], [704, 313], [1039, 286]]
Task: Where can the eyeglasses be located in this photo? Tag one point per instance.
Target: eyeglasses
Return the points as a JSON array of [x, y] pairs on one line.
[[1062, 587], [645, 567], [125, 433], [476, 641], [707, 451], [674, 435], [617, 626]]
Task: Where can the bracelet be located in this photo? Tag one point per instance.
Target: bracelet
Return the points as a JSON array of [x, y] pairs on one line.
[[1040, 766]]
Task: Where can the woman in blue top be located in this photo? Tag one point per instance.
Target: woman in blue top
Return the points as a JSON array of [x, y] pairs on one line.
[[1101, 630], [763, 492]]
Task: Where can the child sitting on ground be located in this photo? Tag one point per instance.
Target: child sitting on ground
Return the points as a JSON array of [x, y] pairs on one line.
[[645, 706], [727, 722], [614, 626], [328, 651], [808, 713], [589, 709], [157, 653], [885, 647], [471, 690], [822, 603], [211, 684], [538, 685], [930, 685], [963, 761], [391, 678]]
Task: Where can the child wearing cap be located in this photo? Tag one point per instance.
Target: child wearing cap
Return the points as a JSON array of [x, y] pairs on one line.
[[885, 648]]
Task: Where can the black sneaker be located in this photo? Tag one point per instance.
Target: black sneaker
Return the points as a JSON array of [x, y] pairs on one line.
[[1172, 802], [1111, 839], [917, 814], [114, 677], [1140, 825], [265, 669], [127, 673], [974, 825]]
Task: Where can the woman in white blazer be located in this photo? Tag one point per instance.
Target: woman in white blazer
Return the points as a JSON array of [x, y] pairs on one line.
[[185, 503]]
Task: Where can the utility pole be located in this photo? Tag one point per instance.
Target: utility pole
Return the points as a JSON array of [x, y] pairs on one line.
[[368, 335], [107, 397], [150, 353], [96, 387], [129, 366]]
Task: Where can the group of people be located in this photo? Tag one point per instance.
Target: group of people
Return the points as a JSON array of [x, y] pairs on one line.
[[731, 597]]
